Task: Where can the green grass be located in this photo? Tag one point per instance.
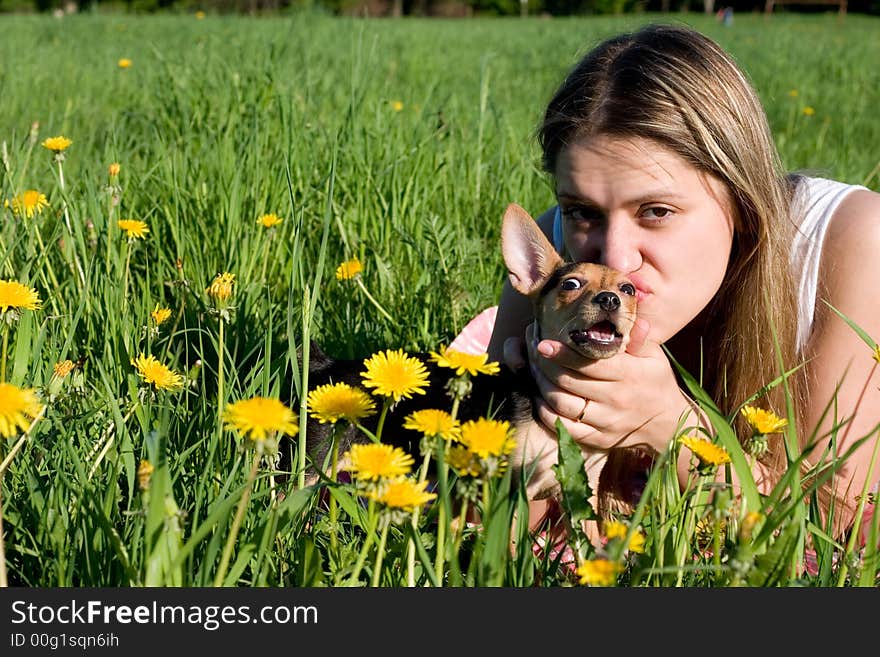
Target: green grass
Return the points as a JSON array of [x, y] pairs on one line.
[[221, 120]]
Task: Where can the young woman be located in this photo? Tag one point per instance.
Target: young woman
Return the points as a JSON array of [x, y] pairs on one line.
[[665, 169]]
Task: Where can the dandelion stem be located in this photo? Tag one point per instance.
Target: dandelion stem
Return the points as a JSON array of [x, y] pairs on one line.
[[385, 406], [486, 500], [3, 357], [220, 382], [125, 275], [380, 554], [411, 546], [331, 504], [79, 268], [265, 259], [442, 480], [372, 300], [368, 542], [236, 522]]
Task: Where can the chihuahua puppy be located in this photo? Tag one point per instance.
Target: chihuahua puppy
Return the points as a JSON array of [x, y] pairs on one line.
[[588, 307]]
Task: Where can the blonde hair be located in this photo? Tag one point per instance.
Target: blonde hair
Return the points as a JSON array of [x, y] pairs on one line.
[[679, 89]]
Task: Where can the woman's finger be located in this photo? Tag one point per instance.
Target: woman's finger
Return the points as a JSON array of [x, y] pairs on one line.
[[560, 400], [583, 433]]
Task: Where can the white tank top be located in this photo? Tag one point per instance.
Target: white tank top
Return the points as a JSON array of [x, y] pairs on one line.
[[819, 198]]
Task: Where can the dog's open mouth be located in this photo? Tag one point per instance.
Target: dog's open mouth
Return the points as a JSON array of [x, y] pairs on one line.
[[601, 337]]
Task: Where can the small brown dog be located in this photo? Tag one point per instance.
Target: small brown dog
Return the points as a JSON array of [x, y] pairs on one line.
[[588, 307]]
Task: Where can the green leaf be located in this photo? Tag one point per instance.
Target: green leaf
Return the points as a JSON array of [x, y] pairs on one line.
[[726, 436], [868, 340], [576, 491], [772, 567]]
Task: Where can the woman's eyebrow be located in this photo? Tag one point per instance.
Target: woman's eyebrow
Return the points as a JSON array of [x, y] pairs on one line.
[[574, 198], [651, 196]]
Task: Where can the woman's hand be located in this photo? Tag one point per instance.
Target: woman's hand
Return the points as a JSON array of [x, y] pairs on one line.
[[631, 399]]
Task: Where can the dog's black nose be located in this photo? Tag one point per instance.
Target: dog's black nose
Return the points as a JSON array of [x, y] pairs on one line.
[[607, 301]]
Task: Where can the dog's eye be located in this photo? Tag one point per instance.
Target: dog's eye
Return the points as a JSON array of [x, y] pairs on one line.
[[628, 289], [571, 284]]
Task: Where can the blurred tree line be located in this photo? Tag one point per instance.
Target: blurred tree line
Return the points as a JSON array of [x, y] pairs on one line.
[[448, 8]]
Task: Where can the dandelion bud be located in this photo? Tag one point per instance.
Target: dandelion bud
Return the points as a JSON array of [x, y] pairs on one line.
[[748, 526], [758, 445], [220, 289], [144, 474], [63, 368]]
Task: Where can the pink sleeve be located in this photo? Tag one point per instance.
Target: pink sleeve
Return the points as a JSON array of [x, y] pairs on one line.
[[474, 337]]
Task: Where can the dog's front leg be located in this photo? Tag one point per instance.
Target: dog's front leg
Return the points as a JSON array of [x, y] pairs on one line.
[[536, 452]]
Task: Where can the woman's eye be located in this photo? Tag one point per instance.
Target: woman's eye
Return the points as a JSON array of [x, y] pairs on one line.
[[581, 214], [571, 284], [657, 213], [628, 289]]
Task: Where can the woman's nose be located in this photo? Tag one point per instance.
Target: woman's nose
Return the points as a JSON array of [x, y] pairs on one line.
[[621, 249]]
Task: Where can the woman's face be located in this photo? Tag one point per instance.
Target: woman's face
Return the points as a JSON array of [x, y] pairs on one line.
[[639, 208]]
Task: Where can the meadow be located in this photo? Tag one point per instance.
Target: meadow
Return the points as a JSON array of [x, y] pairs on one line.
[[394, 142]]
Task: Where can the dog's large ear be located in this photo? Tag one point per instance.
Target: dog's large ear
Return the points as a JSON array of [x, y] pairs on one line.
[[528, 255]]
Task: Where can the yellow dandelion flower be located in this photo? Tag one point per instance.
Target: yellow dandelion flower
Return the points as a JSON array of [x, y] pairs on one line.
[[113, 169], [462, 362], [29, 203], [395, 374], [269, 220], [200, 15], [160, 315], [463, 461], [133, 228], [157, 374], [57, 144], [762, 421], [616, 529], [485, 437], [220, 288], [62, 368], [124, 63], [18, 408], [636, 542], [598, 572], [339, 401], [15, 295], [397, 105], [375, 461], [432, 422], [708, 452], [349, 269], [404, 493], [144, 474], [809, 111], [260, 417], [793, 93]]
